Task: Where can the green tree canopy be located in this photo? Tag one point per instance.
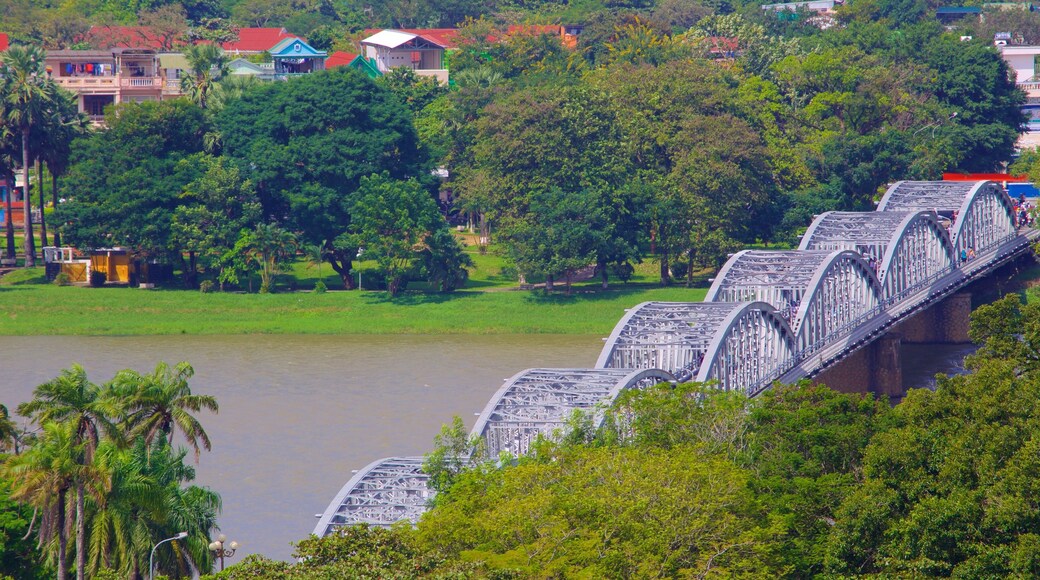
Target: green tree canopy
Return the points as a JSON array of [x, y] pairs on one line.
[[306, 145]]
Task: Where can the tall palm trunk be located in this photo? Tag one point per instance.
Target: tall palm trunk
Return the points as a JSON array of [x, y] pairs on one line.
[[81, 533], [9, 222], [62, 539], [54, 202], [43, 221], [30, 241]]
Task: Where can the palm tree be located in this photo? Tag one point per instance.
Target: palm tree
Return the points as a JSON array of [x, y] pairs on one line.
[[269, 246], [27, 93], [73, 400], [7, 164], [43, 476], [146, 503], [161, 402], [208, 64], [65, 124]]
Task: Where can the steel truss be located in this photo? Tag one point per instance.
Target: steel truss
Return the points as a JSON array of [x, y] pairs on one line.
[[906, 249], [384, 492], [741, 345], [538, 402], [822, 294], [983, 215]]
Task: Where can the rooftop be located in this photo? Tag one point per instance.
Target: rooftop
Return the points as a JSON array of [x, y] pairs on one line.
[[256, 39]]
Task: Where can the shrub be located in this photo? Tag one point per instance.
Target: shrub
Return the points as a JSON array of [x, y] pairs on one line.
[[62, 279], [320, 287], [206, 286], [97, 279]]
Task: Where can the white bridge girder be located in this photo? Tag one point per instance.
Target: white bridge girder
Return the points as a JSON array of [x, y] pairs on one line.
[[906, 249], [539, 402], [741, 345]]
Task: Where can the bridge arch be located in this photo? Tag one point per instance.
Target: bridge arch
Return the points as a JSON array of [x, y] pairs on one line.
[[822, 294], [538, 401], [907, 249], [743, 345], [386, 491], [981, 214]]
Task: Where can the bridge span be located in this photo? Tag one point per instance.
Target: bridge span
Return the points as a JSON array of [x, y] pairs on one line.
[[769, 316]]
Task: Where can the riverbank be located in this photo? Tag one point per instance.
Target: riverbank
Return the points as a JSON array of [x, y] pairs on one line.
[[28, 307]]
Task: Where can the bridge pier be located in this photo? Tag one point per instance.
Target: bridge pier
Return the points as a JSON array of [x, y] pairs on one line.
[[876, 368], [944, 323]]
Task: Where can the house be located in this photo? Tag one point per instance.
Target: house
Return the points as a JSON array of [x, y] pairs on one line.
[[1021, 60], [950, 14], [293, 56], [390, 49], [107, 77], [255, 40], [354, 61], [243, 67]]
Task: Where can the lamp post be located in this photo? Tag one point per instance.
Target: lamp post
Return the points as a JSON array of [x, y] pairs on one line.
[[219, 551], [359, 252], [151, 557]]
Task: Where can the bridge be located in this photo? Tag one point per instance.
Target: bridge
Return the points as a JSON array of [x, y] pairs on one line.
[[769, 316]]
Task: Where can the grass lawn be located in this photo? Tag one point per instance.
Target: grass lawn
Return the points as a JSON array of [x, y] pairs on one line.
[[30, 306]]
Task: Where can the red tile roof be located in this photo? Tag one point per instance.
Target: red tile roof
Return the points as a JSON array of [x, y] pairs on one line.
[[256, 39], [105, 37], [442, 36], [339, 58], [4, 41]]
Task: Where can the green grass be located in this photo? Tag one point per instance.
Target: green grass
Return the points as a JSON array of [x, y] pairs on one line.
[[29, 306]]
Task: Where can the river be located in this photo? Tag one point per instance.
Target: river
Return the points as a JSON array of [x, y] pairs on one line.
[[298, 413]]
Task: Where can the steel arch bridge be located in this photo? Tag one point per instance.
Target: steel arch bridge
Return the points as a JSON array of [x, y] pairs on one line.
[[538, 402], [982, 215], [906, 249], [385, 492], [822, 294], [741, 345], [768, 315]]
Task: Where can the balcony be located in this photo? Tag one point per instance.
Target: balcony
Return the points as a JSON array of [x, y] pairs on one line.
[[141, 82], [89, 84]]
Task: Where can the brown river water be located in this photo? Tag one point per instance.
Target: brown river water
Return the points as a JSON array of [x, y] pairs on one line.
[[299, 413]]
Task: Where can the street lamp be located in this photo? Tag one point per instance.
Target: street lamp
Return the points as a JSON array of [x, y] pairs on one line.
[[219, 551], [935, 124], [359, 252], [151, 557]]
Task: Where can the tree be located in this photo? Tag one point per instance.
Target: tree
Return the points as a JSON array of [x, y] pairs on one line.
[[159, 403], [42, 477], [128, 178], [606, 512], [394, 222], [65, 125], [266, 246], [71, 399], [307, 151], [215, 208], [28, 95], [166, 24], [149, 501], [208, 65]]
